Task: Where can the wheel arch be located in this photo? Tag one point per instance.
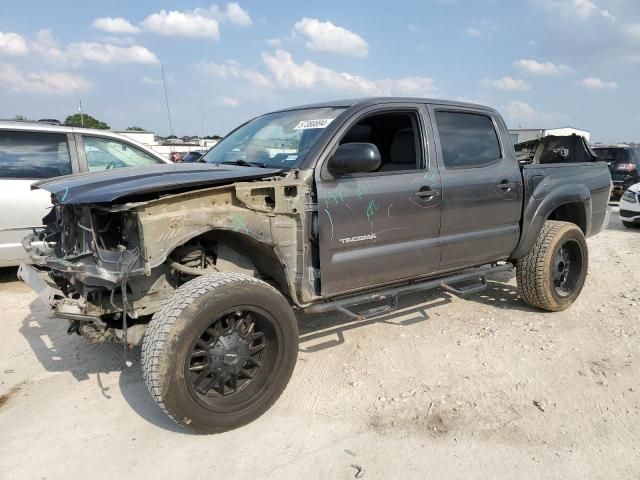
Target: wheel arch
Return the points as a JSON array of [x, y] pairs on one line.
[[263, 256], [568, 203]]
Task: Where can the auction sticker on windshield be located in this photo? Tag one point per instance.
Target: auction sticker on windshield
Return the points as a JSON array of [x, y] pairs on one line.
[[319, 123]]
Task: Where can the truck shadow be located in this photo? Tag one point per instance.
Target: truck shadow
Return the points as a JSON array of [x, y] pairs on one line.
[[58, 352], [328, 329], [321, 332]]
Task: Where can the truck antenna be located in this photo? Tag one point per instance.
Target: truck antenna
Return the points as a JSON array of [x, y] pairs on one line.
[[166, 99]]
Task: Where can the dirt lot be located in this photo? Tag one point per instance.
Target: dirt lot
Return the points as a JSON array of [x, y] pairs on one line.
[[445, 388]]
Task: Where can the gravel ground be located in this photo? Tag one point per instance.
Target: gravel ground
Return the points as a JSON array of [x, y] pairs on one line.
[[444, 388]]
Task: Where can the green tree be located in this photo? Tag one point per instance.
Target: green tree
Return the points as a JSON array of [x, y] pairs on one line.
[[136, 129], [89, 122], [21, 118]]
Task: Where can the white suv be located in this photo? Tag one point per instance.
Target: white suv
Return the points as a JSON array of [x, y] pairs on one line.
[[630, 206], [35, 151]]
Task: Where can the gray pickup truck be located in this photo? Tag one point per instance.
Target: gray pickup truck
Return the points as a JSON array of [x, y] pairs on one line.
[[337, 206]]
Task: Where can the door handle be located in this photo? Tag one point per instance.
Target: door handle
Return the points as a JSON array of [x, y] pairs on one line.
[[507, 185], [426, 192]]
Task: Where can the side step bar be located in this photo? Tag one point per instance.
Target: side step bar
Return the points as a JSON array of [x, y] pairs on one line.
[[391, 294]]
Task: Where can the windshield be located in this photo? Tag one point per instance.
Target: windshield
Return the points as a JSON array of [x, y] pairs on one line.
[[278, 140]]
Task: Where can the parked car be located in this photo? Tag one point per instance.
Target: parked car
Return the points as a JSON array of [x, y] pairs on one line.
[[193, 156], [178, 157], [630, 207], [205, 263], [624, 165], [32, 151]]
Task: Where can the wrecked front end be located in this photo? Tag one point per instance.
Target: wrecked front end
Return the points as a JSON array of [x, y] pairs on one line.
[[107, 268], [82, 263]]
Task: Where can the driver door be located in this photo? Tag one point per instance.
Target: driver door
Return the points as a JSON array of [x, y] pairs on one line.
[[381, 227]]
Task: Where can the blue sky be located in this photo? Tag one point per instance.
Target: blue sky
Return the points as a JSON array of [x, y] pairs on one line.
[[542, 63]]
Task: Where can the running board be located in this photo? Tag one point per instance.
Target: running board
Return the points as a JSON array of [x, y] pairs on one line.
[[479, 275]]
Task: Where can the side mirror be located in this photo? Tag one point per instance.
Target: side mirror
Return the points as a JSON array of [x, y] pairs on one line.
[[354, 158]]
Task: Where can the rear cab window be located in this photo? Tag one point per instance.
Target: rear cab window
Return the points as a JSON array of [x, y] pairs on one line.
[[34, 155], [467, 140]]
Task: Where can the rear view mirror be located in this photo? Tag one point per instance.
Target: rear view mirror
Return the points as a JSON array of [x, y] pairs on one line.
[[354, 158]]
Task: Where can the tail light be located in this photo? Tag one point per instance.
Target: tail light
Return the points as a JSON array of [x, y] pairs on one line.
[[626, 167]]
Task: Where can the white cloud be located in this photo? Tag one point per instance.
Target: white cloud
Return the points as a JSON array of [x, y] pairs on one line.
[[117, 40], [79, 52], [196, 23], [114, 25], [229, 101], [238, 16], [274, 42], [580, 9], [506, 83], [48, 83], [327, 37], [542, 68], [594, 83], [481, 28], [109, 54], [12, 44], [632, 31], [146, 80], [473, 31], [519, 111], [235, 70], [308, 75]]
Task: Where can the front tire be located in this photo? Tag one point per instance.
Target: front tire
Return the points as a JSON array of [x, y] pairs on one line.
[[553, 273], [220, 352]]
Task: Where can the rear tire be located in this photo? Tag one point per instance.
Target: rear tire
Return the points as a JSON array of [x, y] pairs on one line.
[[220, 351], [553, 273]]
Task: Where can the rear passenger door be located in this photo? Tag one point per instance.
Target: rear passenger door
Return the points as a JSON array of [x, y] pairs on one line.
[[26, 157], [381, 226], [481, 187]]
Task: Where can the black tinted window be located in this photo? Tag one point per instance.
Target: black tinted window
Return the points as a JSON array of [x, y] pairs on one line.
[[613, 154], [467, 139], [33, 155], [396, 135]]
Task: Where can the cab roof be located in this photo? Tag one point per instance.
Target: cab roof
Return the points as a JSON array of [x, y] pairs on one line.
[[369, 101]]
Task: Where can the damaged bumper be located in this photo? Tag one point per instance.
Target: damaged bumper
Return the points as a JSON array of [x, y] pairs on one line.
[[74, 310], [59, 305]]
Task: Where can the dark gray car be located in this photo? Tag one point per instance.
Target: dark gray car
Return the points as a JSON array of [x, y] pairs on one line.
[[317, 208]]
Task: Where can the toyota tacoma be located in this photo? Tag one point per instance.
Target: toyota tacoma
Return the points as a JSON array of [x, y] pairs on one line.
[[325, 207]]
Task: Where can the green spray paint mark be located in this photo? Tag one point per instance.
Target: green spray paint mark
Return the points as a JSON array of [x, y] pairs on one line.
[[336, 198], [239, 223], [371, 209], [362, 189]]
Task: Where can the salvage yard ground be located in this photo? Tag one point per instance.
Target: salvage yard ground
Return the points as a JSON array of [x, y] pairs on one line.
[[445, 388]]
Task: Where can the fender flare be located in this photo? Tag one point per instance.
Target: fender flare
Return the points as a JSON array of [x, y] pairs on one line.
[[537, 210]]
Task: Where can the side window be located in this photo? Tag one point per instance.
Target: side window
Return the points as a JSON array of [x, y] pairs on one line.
[[107, 153], [33, 155], [467, 139], [396, 135]]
